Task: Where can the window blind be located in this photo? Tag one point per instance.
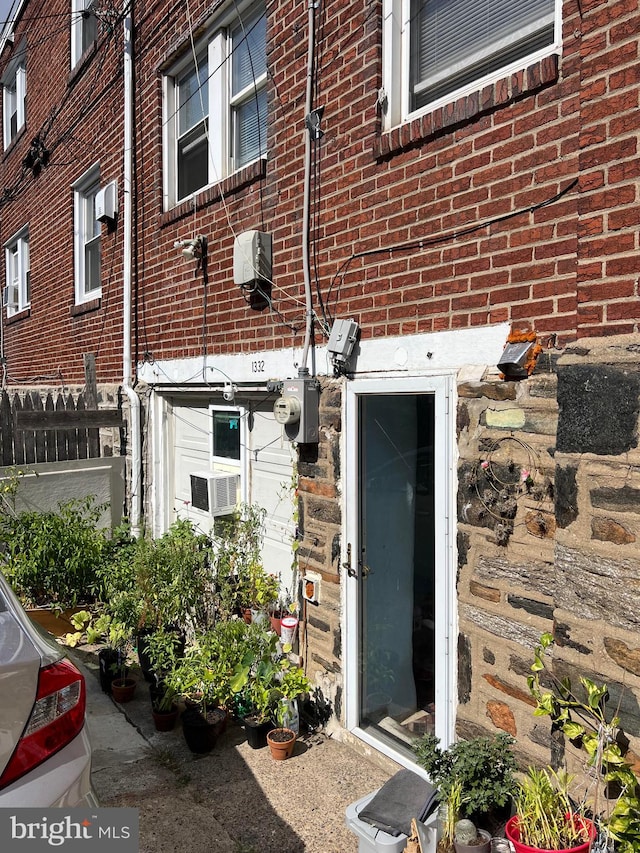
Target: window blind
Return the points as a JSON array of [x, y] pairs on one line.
[[454, 41]]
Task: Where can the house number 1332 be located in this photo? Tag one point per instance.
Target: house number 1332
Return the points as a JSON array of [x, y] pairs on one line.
[[257, 366]]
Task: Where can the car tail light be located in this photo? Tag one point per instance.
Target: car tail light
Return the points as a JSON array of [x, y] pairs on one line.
[[56, 718]]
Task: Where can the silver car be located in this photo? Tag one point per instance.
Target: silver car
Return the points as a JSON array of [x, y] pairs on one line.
[[45, 755]]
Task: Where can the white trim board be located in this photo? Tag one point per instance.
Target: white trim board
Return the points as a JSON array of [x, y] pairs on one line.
[[423, 354]]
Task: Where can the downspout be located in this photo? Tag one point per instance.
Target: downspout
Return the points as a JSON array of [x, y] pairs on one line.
[[303, 370], [127, 172]]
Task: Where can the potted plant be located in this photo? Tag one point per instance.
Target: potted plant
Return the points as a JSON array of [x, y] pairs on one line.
[[281, 607], [483, 767], [468, 839], [449, 814], [170, 578], [194, 678], [255, 685], [281, 743], [51, 558], [293, 685], [262, 592], [546, 818], [164, 708], [236, 556], [164, 648], [583, 715], [123, 685]]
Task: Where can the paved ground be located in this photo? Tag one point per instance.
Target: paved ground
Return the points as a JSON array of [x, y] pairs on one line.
[[233, 800]]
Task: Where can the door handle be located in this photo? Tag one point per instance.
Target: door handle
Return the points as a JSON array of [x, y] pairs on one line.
[[347, 563], [365, 571]]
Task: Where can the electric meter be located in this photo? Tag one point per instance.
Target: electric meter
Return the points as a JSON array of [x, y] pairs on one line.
[[287, 410], [298, 409]]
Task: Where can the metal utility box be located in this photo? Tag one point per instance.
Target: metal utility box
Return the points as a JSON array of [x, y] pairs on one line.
[[107, 203], [251, 257], [298, 410]]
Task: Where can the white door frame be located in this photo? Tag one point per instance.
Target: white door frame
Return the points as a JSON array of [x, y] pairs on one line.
[[443, 389]]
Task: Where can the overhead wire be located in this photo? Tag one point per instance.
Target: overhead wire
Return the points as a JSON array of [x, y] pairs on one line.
[[426, 242], [20, 183], [218, 179]]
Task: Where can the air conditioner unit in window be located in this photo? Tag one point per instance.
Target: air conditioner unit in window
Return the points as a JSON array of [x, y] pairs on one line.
[[214, 493], [10, 296]]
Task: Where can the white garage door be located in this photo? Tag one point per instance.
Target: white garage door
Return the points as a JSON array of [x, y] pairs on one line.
[[266, 470]]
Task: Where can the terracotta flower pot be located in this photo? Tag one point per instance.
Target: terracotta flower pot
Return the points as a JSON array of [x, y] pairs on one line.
[[512, 832], [122, 689], [165, 721], [275, 623], [281, 743]]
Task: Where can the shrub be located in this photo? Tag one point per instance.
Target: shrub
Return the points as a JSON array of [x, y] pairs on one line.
[[54, 557], [483, 766]]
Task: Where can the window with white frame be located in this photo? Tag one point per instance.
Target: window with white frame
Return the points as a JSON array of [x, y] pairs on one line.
[[17, 290], [14, 99], [86, 237], [226, 444], [438, 50], [216, 104], [84, 28]]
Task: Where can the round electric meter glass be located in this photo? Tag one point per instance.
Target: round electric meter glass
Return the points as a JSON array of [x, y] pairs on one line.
[[287, 410]]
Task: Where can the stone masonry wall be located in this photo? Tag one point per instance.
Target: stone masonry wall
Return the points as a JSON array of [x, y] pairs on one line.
[[319, 524], [560, 553]]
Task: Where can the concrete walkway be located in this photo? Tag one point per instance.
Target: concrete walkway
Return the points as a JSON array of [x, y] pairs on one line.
[[233, 800]]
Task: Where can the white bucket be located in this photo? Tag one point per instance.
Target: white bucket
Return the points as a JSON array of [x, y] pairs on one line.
[[288, 628]]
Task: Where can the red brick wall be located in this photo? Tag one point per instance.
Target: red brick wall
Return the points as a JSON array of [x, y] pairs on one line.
[[608, 256], [78, 115], [569, 268]]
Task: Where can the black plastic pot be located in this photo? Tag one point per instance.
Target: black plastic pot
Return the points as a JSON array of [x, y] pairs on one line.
[[109, 663], [256, 732], [143, 651], [201, 732]]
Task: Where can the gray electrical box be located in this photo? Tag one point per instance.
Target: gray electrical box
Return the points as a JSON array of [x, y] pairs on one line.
[[343, 338], [251, 257], [298, 410]]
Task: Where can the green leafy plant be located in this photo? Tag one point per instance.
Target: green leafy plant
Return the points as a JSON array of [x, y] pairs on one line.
[[53, 557], [483, 766], [451, 808], [237, 560], [546, 816], [89, 628], [170, 576], [262, 589], [590, 726]]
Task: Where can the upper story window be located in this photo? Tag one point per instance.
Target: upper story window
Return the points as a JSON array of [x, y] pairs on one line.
[[438, 50], [216, 105], [17, 290], [86, 237], [14, 98], [84, 28]]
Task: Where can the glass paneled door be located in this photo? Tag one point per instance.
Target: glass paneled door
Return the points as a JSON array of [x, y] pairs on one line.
[[398, 564]]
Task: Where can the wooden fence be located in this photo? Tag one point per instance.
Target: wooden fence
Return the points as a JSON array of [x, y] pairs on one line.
[[57, 430]]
